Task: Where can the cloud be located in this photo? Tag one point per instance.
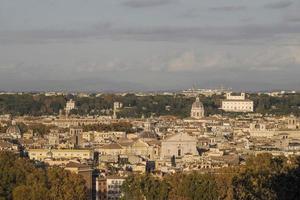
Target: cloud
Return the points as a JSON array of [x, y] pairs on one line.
[[229, 8], [185, 62], [278, 5], [292, 19], [239, 34], [219, 34], [146, 3], [115, 64], [265, 59]]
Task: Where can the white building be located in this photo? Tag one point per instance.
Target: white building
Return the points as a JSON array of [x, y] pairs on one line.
[[237, 103], [116, 107], [197, 110], [70, 105]]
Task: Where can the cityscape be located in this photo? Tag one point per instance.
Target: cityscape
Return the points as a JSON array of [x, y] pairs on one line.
[[149, 100], [200, 131]]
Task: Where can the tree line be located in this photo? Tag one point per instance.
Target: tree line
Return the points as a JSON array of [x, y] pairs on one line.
[[138, 106], [263, 177], [119, 126], [22, 179]]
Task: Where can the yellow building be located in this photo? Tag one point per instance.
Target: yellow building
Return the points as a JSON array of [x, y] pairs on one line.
[[41, 154]]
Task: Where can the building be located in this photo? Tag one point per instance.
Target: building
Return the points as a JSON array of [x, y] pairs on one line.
[[53, 139], [116, 107], [76, 136], [85, 172], [148, 149], [197, 110], [102, 137], [109, 188], [70, 105], [237, 103], [178, 145], [13, 131], [113, 149], [42, 154], [293, 122]]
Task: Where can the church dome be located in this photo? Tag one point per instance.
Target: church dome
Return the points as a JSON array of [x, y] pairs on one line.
[[197, 110], [197, 104], [14, 131], [49, 154]]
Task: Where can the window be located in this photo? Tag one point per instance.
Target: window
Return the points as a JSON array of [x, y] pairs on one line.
[[179, 152]]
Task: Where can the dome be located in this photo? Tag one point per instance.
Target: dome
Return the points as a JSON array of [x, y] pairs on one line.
[[49, 154], [197, 110], [148, 134], [197, 104], [13, 130]]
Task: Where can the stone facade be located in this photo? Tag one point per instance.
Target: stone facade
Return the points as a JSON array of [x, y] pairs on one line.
[[178, 145]]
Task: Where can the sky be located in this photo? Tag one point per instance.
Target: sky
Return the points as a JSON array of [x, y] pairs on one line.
[[130, 45]]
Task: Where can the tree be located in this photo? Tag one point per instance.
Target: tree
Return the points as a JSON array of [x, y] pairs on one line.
[[131, 188], [21, 179]]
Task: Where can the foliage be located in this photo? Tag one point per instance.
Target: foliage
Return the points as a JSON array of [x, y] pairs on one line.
[[263, 177], [29, 104], [136, 106], [39, 129], [20, 179], [145, 186], [266, 177], [120, 126]]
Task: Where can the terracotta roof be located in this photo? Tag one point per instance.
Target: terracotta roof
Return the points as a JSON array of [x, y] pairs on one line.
[[76, 165], [112, 146], [5, 144]]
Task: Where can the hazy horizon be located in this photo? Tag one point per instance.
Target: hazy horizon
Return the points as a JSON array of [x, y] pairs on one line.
[[149, 45]]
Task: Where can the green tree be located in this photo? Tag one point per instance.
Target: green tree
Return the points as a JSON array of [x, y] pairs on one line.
[[21, 179]]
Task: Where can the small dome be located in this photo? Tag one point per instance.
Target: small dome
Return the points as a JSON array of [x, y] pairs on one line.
[[49, 154], [197, 104], [13, 130]]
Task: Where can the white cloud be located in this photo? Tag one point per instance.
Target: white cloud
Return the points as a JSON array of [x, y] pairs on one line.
[[264, 59]]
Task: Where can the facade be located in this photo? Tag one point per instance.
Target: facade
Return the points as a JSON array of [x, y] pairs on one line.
[[113, 149], [70, 105], [116, 107], [179, 145], [53, 139], [102, 137], [293, 122], [144, 149], [237, 103], [197, 110], [76, 136], [109, 188], [68, 122], [41, 154]]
